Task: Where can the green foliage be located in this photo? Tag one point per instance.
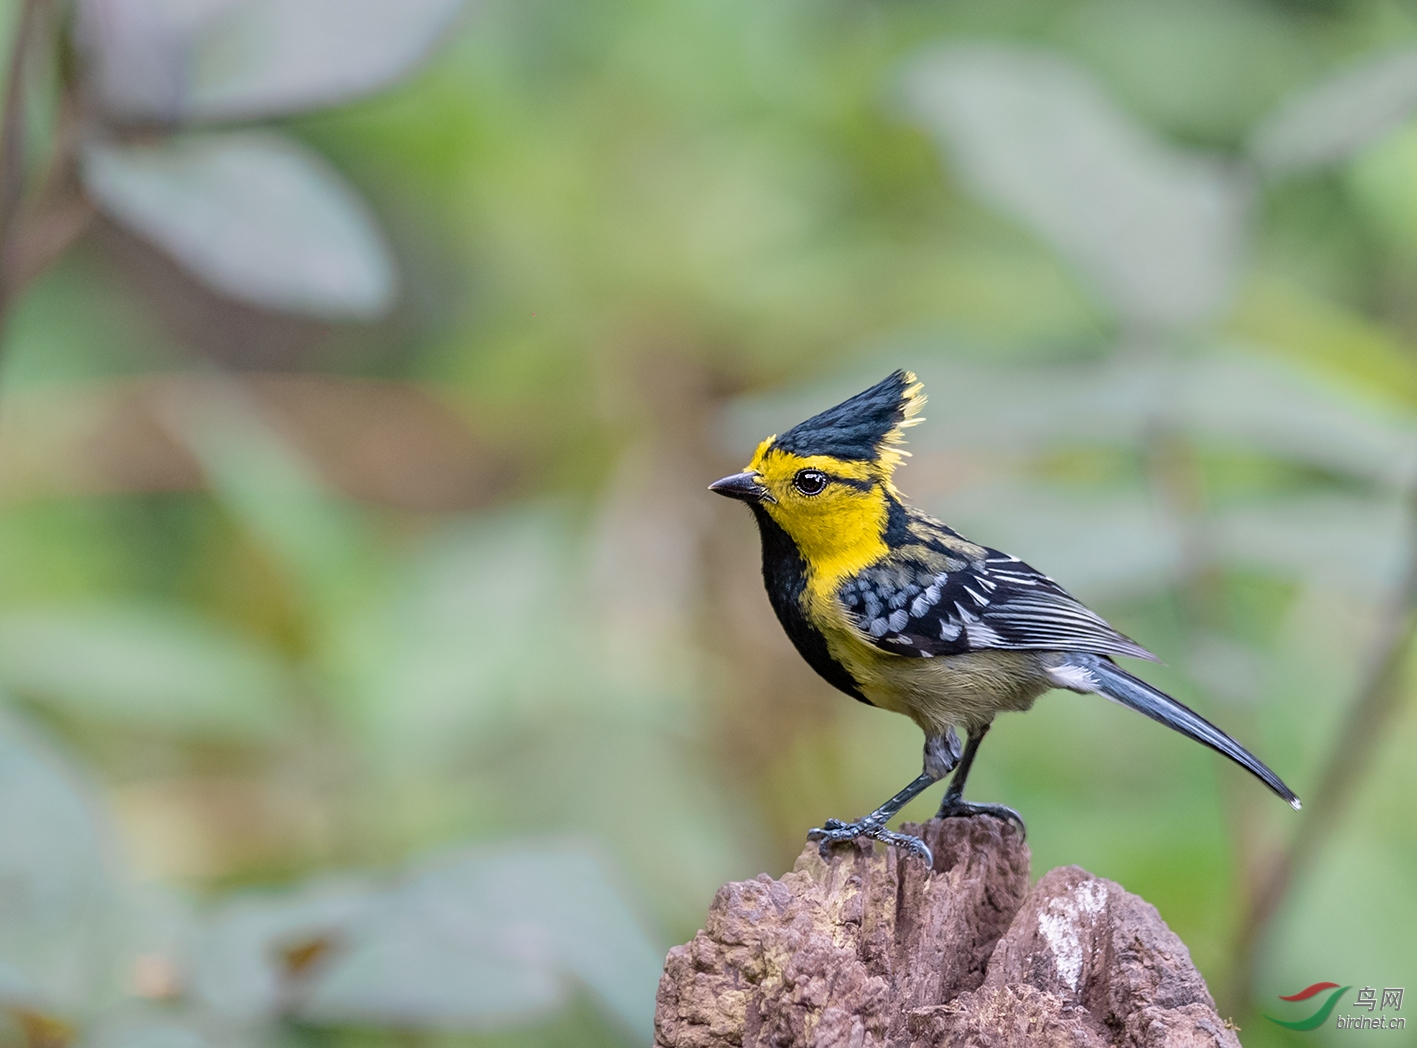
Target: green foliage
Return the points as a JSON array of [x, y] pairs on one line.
[[359, 769]]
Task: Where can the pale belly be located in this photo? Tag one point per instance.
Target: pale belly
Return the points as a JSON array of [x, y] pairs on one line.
[[959, 691]]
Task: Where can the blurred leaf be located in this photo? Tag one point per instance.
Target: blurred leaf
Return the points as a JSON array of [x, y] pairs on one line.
[[1260, 401], [1383, 183], [1334, 119], [254, 214], [1350, 543], [56, 900], [182, 60], [158, 667], [1341, 347], [1207, 69], [138, 53], [607, 775], [262, 58], [487, 938], [41, 1029], [1159, 232], [144, 1028], [465, 634], [239, 967], [158, 924], [276, 495]]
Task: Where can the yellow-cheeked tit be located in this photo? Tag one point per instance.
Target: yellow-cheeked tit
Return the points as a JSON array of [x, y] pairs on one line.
[[899, 611]]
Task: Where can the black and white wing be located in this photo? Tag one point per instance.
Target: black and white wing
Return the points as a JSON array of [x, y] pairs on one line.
[[917, 606]]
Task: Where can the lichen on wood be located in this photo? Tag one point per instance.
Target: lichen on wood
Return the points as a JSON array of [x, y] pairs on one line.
[[870, 948]]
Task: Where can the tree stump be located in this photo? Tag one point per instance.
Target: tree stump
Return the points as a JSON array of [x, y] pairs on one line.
[[869, 948]]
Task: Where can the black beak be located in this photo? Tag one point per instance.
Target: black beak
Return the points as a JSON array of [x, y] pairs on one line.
[[743, 486]]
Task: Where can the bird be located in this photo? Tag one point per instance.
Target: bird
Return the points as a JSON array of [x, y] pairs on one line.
[[901, 612]]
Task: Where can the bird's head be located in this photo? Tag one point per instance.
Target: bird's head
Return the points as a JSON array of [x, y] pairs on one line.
[[827, 482]]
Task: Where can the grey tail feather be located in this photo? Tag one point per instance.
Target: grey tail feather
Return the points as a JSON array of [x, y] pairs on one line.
[[1114, 683]]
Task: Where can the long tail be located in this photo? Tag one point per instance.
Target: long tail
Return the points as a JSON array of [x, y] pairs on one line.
[[1093, 673]]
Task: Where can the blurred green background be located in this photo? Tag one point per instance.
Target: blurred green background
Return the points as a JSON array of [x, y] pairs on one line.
[[377, 669]]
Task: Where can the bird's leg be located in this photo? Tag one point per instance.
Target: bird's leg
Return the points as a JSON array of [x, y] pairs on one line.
[[941, 754], [874, 825], [954, 805]]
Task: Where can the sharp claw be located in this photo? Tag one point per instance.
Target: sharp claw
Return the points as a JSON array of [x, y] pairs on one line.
[[920, 848], [966, 809], [909, 842]]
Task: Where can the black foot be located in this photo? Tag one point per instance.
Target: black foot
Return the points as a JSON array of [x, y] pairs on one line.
[[836, 831], [961, 809]]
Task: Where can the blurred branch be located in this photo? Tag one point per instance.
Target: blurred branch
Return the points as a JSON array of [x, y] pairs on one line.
[[29, 242], [43, 238], [60, 211], [1375, 704], [383, 442], [12, 123]]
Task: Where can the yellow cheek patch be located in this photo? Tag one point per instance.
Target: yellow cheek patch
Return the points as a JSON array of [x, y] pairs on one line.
[[839, 536], [839, 531]]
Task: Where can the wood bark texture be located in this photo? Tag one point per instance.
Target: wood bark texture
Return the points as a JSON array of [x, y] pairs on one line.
[[869, 949]]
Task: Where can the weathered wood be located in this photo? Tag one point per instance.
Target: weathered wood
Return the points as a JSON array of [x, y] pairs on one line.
[[869, 948]]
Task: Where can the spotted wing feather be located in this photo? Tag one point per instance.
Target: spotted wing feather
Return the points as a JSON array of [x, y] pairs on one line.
[[925, 607]]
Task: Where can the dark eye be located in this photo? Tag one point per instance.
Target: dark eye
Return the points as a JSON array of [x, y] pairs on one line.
[[810, 481]]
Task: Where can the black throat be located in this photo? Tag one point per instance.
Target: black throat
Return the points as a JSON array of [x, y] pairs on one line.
[[785, 576]]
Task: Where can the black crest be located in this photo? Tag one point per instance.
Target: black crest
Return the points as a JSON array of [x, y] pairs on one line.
[[866, 427]]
